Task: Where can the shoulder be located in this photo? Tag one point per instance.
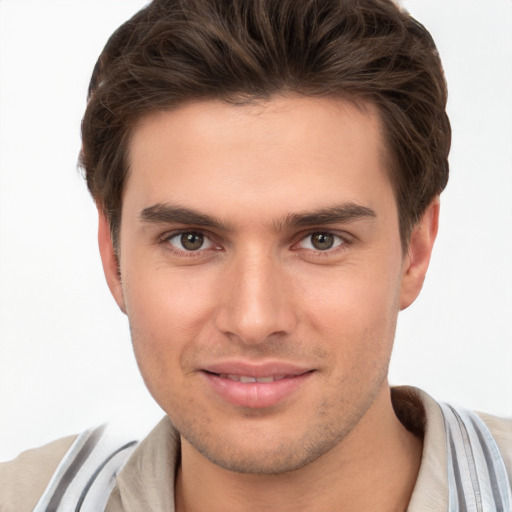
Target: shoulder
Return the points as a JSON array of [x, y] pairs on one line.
[[464, 453], [501, 430], [24, 479]]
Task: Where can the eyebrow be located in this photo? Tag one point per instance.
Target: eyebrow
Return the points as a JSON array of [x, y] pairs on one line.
[[165, 213], [161, 213], [346, 212]]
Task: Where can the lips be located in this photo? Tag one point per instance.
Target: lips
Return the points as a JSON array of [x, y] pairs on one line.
[[273, 369], [256, 386], [247, 378]]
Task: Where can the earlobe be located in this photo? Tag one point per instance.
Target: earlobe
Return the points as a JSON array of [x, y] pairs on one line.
[[110, 260], [418, 255]]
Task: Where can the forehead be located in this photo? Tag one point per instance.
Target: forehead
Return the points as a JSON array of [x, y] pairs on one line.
[[289, 153]]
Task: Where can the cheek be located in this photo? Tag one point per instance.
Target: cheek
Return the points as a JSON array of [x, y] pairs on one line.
[[167, 313], [167, 303], [355, 311], [355, 297]]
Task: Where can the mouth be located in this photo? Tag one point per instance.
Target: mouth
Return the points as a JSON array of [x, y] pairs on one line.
[[247, 378], [256, 386]]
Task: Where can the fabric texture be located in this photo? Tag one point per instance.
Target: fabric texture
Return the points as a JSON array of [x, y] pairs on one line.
[[24, 479], [477, 477], [146, 481], [87, 474]]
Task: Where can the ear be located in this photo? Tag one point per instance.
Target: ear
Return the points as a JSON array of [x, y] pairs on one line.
[[110, 260], [418, 254]]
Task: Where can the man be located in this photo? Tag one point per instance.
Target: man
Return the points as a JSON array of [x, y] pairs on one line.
[[267, 178]]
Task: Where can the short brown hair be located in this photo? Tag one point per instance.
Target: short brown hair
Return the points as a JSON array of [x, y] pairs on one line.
[[174, 51]]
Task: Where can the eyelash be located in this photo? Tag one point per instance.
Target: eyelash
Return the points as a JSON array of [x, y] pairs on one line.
[[343, 241]]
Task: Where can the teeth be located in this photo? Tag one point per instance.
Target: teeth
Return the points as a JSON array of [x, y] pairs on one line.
[[246, 379], [265, 379]]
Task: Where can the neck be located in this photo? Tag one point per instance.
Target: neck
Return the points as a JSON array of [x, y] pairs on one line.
[[372, 468]]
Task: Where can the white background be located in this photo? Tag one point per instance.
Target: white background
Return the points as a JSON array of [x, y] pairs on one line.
[[65, 354]]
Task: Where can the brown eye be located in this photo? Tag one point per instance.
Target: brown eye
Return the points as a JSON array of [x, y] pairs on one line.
[[322, 241], [192, 241], [189, 241]]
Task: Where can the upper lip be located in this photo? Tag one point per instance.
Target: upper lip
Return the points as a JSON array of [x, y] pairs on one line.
[[256, 369]]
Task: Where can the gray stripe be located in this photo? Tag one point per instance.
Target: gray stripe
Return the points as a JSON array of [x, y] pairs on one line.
[[491, 468], [456, 473], [468, 448], [73, 468], [97, 472]]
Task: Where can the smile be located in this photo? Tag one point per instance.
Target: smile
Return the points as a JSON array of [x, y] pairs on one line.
[[256, 387], [247, 379]]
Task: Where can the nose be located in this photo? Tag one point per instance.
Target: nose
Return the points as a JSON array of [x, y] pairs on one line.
[[257, 303]]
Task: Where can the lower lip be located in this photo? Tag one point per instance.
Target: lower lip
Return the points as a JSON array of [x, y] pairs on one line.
[[255, 395]]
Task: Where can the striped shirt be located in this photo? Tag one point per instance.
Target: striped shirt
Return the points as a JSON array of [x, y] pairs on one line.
[[466, 465]]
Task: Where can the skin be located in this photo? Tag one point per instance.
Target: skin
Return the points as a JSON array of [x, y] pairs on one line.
[[259, 291]]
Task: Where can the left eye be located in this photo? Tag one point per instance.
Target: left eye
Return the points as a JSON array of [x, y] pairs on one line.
[[190, 241], [321, 241]]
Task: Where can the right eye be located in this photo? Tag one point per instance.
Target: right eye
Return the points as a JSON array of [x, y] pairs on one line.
[[189, 241]]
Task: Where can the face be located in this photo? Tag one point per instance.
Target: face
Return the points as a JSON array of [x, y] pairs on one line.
[[262, 273]]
